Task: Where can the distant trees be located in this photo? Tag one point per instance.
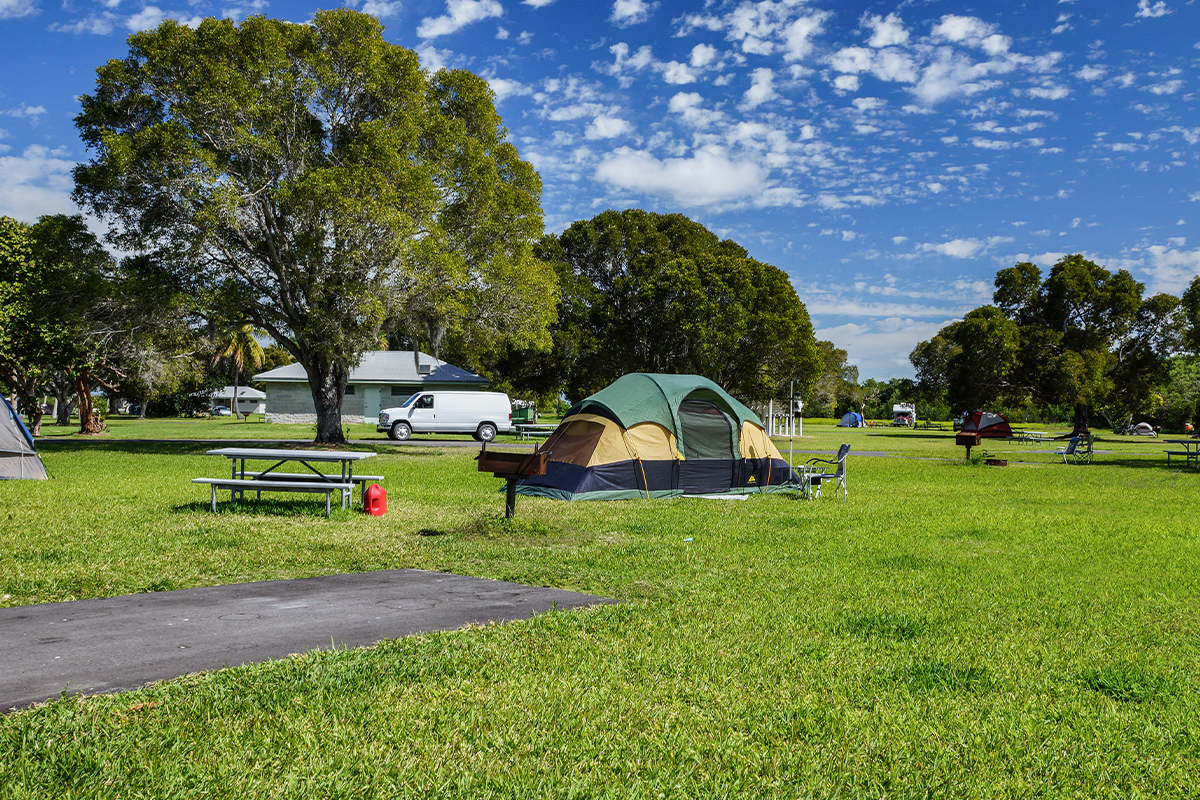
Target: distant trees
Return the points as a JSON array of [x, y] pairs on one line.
[[1082, 336], [645, 292], [78, 320], [315, 179]]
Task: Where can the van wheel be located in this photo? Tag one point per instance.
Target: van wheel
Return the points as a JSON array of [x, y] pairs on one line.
[[400, 431], [486, 432]]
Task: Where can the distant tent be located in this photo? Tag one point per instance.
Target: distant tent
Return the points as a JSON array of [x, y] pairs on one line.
[[18, 456], [1143, 429], [659, 436], [987, 424], [852, 419]]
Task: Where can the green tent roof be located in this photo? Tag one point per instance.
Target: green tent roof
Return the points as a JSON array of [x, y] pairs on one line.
[[646, 397]]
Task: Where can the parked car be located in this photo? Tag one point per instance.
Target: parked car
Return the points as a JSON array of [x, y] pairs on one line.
[[481, 414], [221, 411]]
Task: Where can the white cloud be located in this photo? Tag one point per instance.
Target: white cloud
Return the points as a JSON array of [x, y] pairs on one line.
[[849, 236], [28, 112], [503, 87], [382, 9], [1169, 269], [459, 14], [36, 182], [703, 55], [1159, 9], [688, 105], [12, 9], [708, 177], [1091, 72], [99, 24], [1166, 87], [605, 127], [885, 31], [536, 3], [631, 12], [763, 28], [152, 16], [676, 73], [963, 248], [761, 89]]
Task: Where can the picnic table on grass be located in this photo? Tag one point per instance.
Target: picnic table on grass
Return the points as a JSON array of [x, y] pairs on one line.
[[533, 431], [1190, 451], [1032, 436], [314, 480]]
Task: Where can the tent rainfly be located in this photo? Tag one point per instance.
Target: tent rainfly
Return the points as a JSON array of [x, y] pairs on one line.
[[18, 456], [852, 419], [650, 435], [988, 424]]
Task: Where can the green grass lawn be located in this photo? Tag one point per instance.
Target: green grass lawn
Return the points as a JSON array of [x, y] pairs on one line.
[[952, 630]]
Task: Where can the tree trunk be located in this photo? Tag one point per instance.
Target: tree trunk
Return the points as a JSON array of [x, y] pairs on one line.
[[34, 415], [1080, 426], [233, 406], [89, 418], [144, 403], [327, 381]]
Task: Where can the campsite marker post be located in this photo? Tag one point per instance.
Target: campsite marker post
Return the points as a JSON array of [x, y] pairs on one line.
[[792, 426]]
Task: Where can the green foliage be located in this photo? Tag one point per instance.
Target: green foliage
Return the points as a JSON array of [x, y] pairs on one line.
[[649, 292], [323, 184], [1083, 336]]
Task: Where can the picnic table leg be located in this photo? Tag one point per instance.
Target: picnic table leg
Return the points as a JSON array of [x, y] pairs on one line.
[[327, 505], [214, 498]]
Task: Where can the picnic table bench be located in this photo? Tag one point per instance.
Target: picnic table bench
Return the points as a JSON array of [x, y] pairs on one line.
[[237, 486], [534, 431]]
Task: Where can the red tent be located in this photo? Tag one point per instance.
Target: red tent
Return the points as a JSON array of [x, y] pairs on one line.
[[987, 424]]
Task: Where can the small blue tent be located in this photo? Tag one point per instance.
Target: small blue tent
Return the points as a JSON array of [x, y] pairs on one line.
[[852, 419]]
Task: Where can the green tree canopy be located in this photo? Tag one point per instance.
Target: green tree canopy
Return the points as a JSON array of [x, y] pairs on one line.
[[646, 292], [1082, 336], [317, 180]]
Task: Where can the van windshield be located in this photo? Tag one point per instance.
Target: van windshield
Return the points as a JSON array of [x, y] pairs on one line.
[[410, 400]]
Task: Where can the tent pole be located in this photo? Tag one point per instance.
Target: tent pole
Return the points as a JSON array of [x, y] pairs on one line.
[[791, 394]]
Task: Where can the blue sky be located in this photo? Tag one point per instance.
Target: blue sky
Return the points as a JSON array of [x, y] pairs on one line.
[[889, 156]]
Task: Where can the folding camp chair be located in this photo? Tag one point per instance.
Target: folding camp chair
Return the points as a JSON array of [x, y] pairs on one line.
[[1085, 453], [1069, 450], [813, 477]]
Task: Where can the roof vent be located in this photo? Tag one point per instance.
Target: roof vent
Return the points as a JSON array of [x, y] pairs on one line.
[[424, 369]]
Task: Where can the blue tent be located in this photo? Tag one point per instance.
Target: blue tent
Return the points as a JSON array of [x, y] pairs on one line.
[[852, 419]]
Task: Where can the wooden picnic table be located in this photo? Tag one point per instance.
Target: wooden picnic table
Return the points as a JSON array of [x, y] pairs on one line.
[[1032, 436]]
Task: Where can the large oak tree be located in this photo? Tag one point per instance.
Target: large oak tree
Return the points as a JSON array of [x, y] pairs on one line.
[[316, 179]]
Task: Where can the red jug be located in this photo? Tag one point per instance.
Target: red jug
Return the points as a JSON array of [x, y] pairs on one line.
[[375, 500]]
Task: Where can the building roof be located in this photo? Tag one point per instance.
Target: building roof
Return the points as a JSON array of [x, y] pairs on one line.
[[243, 393], [385, 367]]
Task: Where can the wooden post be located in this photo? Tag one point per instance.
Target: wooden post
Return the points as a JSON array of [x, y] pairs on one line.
[[510, 496]]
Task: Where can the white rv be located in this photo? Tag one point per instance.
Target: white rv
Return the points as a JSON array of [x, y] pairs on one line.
[[904, 414], [481, 414]]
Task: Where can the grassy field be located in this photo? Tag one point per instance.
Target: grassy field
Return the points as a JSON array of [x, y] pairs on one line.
[[952, 630]]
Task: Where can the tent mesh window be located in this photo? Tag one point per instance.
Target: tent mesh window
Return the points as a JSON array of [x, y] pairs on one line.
[[707, 432]]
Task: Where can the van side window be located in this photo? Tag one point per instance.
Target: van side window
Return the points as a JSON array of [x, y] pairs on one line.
[[426, 401]]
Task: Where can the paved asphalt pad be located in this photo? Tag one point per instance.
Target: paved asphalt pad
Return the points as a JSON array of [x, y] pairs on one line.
[[119, 643]]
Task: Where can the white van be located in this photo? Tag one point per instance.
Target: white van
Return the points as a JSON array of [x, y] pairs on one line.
[[481, 414]]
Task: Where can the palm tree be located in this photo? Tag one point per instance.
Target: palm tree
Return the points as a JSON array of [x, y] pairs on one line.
[[238, 343]]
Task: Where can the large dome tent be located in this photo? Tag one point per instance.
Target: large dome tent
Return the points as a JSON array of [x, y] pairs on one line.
[[852, 419], [649, 435]]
